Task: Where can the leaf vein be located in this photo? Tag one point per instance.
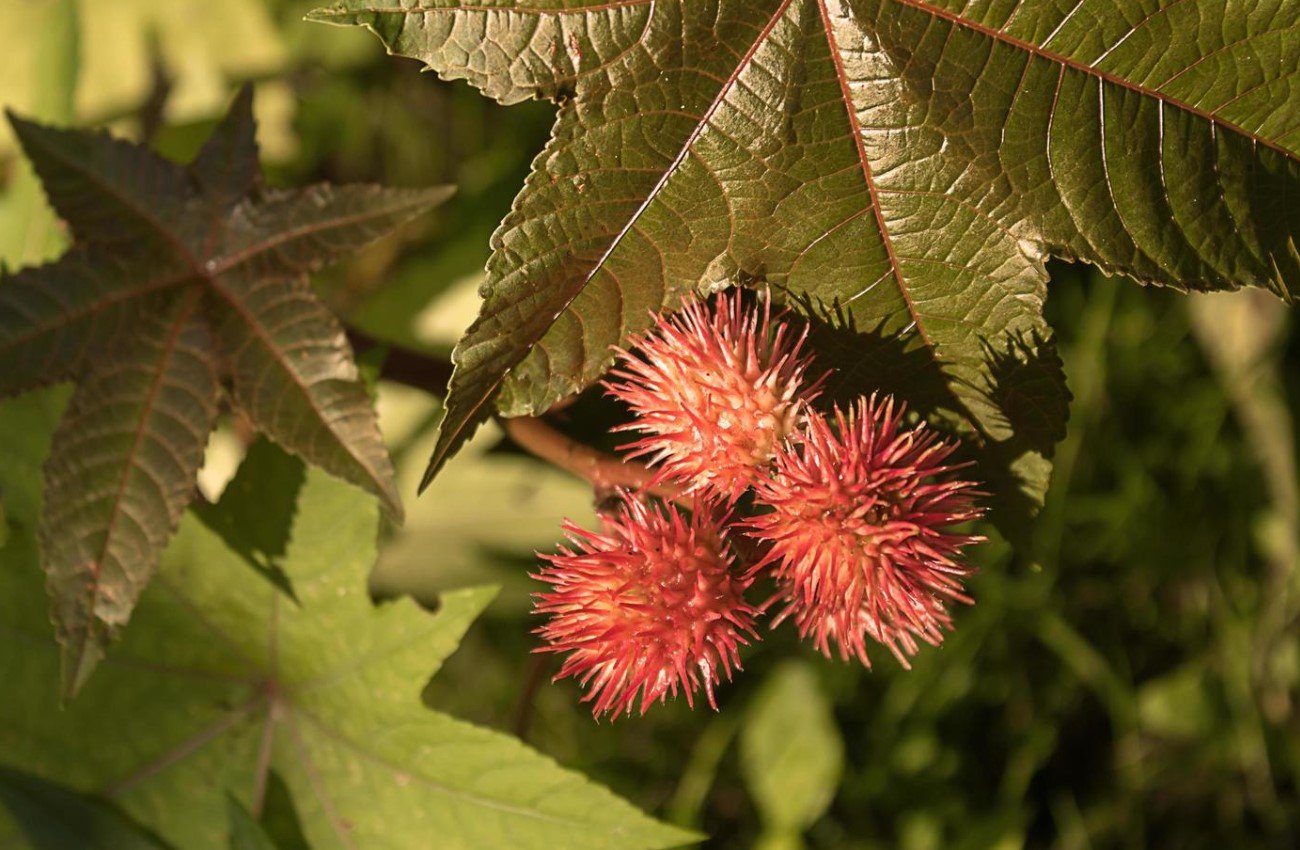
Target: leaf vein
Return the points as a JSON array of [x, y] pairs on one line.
[[1075, 65]]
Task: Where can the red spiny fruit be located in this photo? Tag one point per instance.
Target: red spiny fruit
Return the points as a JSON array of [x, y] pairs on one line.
[[715, 392], [849, 629], [858, 533], [650, 605]]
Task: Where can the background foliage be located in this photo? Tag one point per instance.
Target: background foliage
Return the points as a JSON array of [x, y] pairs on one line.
[[1133, 685]]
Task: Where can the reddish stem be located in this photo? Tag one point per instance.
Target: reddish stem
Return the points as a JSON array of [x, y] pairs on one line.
[[606, 472]]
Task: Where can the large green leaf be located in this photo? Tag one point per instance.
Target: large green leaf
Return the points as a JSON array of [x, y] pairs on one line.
[[179, 274], [221, 685], [914, 161]]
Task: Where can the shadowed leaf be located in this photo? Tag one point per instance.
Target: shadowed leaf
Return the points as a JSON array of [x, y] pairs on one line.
[[245, 832], [280, 816], [179, 274], [1026, 380], [55, 818], [111, 192], [53, 318], [120, 473], [292, 372], [288, 232], [255, 513], [226, 166]]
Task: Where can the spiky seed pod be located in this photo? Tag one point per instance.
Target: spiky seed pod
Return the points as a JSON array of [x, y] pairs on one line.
[[650, 605], [715, 391], [858, 531], [849, 629]]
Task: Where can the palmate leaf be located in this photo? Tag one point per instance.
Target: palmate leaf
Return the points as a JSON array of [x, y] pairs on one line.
[[180, 278], [221, 686], [912, 161]]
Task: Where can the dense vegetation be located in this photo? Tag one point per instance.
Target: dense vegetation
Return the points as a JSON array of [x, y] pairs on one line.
[[1127, 677]]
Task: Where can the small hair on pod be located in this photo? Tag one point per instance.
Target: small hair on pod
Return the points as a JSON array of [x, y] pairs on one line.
[[857, 519], [649, 606], [715, 390]]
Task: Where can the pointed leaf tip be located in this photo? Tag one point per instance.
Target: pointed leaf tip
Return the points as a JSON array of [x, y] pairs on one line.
[[325, 15], [77, 661], [451, 436], [25, 129], [227, 167], [243, 101], [241, 107], [391, 502], [430, 472], [109, 190]]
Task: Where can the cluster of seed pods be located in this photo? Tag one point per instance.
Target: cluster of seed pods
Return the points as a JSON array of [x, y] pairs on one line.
[[854, 516]]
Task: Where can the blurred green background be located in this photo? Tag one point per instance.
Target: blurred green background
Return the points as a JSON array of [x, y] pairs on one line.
[[1131, 683]]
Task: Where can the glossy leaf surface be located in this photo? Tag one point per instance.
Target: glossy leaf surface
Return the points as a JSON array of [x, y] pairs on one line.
[[912, 161]]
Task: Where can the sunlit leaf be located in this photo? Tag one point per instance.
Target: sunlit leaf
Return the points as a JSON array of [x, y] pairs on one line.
[[913, 161], [221, 685]]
